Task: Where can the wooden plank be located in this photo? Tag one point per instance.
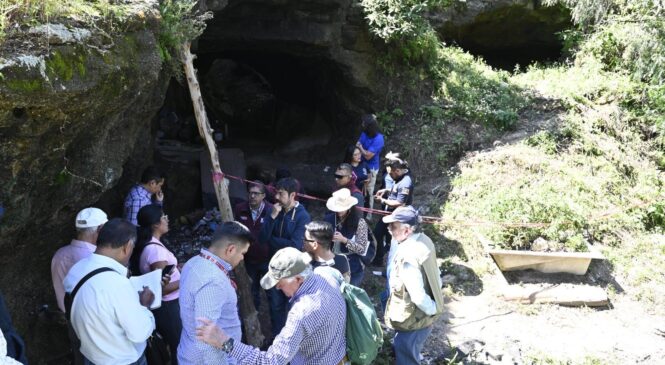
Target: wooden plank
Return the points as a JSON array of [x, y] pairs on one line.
[[251, 325], [562, 294]]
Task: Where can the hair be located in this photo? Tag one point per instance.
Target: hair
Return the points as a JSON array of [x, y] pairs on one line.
[[282, 173], [230, 233], [288, 183], [322, 232], [85, 231], [397, 163], [350, 224], [147, 217], [370, 125], [346, 167], [116, 233], [257, 184], [348, 153], [152, 173]]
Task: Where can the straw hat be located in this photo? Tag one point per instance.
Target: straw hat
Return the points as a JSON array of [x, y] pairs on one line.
[[341, 200]]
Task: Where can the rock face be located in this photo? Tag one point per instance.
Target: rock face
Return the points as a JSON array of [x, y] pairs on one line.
[[71, 114]]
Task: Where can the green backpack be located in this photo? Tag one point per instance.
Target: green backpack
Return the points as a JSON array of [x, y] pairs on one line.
[[364, 336]]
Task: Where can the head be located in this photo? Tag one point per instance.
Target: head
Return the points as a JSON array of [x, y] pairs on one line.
[[402, 222], [318, 237], [88, 223], [341, 202], [230, 242], [256, 192], [288, 270], [152, 221], [343, 175], [397, 168], [153, 179], [352, 155], [285, 191], [370, 125], [116, 240]]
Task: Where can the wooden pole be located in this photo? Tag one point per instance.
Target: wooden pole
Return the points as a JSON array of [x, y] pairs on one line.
[[251, 324]]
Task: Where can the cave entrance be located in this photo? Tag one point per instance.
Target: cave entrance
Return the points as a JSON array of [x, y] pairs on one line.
[[276, 110], [512, 35]]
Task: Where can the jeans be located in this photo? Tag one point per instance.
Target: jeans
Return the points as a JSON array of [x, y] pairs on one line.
[[169, 325], [357, 269], [278, 310], [408, 345], [140, 361], [256, 272], [381, 233]]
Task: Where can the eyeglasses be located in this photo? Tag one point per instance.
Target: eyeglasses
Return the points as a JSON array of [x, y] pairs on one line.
[[338, 177], [255, 193]]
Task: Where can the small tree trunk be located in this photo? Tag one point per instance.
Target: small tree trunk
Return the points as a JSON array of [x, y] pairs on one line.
[[252, 327]]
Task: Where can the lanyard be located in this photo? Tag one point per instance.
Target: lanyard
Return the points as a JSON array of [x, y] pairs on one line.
[[221, 267]]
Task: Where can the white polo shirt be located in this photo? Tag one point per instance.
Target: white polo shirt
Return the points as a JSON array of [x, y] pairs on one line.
[[107, 316]]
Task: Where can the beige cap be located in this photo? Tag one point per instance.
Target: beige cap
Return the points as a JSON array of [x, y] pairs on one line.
[[286, 263]]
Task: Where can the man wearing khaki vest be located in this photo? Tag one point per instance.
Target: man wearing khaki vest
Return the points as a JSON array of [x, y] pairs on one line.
[[415, 299]]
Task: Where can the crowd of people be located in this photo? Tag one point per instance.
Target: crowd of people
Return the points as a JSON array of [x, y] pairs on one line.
[[298, 262]]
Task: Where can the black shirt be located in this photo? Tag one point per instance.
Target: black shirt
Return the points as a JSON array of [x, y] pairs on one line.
[[340, 262]]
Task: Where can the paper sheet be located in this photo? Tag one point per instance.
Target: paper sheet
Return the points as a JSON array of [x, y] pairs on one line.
[[152, 280]]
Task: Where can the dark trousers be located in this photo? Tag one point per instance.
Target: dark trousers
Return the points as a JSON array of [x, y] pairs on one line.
[[256, 272], [169, 325], [357, 269], [278, 310], [77, 356], [381, 234]]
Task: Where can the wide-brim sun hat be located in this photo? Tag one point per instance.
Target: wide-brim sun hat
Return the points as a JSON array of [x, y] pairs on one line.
[[341, 201]]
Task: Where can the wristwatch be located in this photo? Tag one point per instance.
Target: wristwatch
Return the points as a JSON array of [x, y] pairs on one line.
[[228, 345]]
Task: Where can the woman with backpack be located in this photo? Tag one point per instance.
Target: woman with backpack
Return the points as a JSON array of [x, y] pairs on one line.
[[153, 255], [352, 236]]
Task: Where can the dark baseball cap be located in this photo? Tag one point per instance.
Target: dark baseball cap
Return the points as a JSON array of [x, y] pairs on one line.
[[408, 215]]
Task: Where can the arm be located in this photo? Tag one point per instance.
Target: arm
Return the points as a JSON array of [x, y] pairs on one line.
[[207, 303], [413, 281], [402, 196], [297, 234], [267, 228], [171, 286], [137, 320], [359, 242]]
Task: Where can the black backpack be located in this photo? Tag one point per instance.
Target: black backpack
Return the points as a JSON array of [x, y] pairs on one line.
[[134, 261]]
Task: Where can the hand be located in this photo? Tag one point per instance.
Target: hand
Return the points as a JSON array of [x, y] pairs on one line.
[[166, 279], [159, 196], [209, 333], [146, 297], [378, 198], [276, 208], [359, 145], [379, 194], [338, 237]]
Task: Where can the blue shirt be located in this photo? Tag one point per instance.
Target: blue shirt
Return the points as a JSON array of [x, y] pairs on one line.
[[372, 145], [315, 330], [206, 291]]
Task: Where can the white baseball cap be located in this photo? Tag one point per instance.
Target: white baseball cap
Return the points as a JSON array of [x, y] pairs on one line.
[[91, 217]]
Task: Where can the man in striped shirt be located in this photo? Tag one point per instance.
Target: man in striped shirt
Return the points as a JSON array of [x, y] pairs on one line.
[[315, 330]]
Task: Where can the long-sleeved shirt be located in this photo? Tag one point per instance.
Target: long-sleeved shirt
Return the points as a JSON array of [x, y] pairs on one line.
[[137, 198], [314, 333], [286, 230], [106, 313], [206, 291], [409, 254], [62, 261]]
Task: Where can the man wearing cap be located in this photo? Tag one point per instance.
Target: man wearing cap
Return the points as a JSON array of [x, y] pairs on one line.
[[415, 300], [315, 327], [88, 223]]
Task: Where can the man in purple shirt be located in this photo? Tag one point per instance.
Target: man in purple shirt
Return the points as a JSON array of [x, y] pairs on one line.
[[141, 194], [370, 144], [315, 330]]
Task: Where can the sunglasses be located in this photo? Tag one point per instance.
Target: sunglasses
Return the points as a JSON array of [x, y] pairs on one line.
[[340, 176]]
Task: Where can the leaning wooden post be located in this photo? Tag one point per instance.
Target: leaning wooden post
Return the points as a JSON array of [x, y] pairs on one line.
[[252, 327]]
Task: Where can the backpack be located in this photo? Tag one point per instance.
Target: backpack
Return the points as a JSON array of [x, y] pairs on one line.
[[364, 335], [368, 257], [135, 259]]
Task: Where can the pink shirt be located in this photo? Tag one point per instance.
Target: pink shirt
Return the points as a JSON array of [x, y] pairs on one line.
[[63, 260], [156, 253]]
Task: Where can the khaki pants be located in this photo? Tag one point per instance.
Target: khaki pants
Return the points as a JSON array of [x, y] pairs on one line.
[[370, 189]]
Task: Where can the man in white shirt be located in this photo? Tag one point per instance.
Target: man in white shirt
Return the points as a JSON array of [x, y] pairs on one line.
[[110, 318], [416, 299]]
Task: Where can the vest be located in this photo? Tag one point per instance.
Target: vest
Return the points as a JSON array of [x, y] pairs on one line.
[[401, 313]]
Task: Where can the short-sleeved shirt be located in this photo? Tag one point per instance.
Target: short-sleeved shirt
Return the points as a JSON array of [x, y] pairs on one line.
[[402, 190], [155, 253], [374, 144], [361, 172], [339, 262]]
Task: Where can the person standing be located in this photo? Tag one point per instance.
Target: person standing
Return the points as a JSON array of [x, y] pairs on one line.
[[399, 194], [346, 178], [351, 235], [416, 299], [88, 222], [149, 190], [153, 255], [354, 158], [315, 331], [208, 290], [370, 144], [284, 227], [253, 214], [318, 244], [110, 318]]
